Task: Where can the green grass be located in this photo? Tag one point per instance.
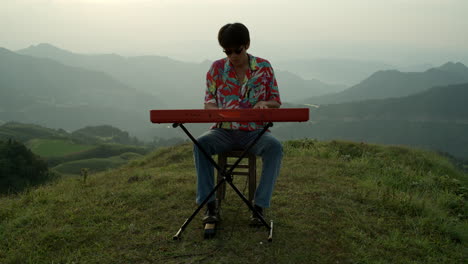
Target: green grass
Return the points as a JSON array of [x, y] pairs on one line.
[[98, 151], [95, 164], [334, 202], [55, 147]]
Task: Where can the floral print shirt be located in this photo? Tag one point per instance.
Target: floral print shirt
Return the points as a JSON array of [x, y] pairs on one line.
[[224, 90]]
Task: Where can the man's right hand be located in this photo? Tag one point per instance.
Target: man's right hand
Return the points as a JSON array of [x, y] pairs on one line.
[[211, 106]]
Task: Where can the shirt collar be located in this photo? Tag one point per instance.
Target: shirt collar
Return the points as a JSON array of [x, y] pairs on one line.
[[252, 63]]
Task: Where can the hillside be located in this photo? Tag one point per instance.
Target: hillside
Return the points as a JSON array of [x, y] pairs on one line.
[[97, 148], [335, 202], [20, 168], [393, 83], [88, 135], [24, 132]]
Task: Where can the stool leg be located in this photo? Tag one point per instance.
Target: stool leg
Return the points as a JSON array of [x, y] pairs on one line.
[[252, 177], [222, 161]]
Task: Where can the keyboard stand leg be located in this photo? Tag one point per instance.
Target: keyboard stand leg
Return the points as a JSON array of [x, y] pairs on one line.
[[178, 235]]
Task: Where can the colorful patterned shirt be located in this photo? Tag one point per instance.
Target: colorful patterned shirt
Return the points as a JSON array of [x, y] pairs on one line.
[[227, 92]]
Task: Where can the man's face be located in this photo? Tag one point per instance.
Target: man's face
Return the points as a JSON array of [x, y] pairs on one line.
[[237, 55]]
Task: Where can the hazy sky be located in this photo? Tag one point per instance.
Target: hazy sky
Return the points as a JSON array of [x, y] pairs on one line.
[[394, 31]]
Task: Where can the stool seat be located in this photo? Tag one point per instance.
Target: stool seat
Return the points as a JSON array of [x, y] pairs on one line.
[[251, 172]]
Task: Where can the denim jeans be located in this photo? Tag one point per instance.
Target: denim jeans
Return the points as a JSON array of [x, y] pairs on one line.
[[219, 140]]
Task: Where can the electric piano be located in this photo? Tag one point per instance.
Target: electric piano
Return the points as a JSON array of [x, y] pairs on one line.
[[230, 115]]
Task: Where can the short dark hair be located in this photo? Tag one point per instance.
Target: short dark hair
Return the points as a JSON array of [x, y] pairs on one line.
[[233, 35]]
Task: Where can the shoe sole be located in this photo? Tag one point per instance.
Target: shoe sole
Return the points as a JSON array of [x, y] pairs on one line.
[[210, 230]]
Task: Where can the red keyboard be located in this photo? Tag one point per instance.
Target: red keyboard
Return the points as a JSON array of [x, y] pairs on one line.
[[230, 115]]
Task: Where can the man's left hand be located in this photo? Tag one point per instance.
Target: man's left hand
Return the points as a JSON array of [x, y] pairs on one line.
[[266, 104], [261, 105]]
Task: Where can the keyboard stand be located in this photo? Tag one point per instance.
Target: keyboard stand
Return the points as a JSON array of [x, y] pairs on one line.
[[226, 177]]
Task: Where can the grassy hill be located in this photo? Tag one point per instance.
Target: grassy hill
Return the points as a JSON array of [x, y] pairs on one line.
[[49, 148], [95, 164], [67, 157], [94, 147], [24, 132], [335, 202]]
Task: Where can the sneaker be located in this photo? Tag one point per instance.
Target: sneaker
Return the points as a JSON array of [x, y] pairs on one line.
[[255, 220], [211, 214]]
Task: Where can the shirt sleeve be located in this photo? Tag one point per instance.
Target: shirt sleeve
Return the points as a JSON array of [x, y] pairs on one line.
[[210, 93], [273, 92]]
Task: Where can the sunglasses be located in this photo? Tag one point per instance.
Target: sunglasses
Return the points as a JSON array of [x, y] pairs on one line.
[[237, 51]]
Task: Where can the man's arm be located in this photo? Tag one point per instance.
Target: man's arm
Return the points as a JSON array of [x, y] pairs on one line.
[[211, 87], [265, 104], [271, 99]]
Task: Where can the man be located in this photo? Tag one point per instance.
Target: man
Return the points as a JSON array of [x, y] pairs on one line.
[[238, 81]]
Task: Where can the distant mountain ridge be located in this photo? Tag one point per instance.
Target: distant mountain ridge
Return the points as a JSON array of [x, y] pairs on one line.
[[44, 91], [293, 88], [159, 76], [435, 119], [168, 78], [33, 77], [346, 72], [454, 67], [438, 104], [392, 83]]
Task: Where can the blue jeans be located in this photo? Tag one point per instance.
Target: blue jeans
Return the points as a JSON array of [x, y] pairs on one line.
[[219, 140]]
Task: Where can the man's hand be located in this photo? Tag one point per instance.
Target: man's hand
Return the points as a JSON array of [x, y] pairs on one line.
[[266, 105], [211, 106], [261, 105]]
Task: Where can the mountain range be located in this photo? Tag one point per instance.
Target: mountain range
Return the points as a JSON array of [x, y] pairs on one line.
[[43, 91], [346, 72], [169, 79], [60, 89], [437, 104], [393, 83], [434, 119]]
